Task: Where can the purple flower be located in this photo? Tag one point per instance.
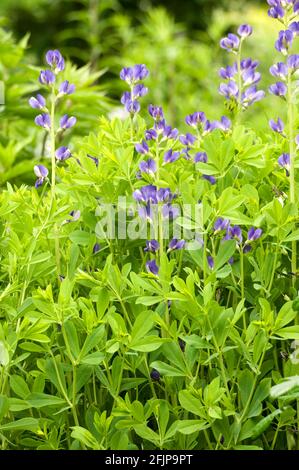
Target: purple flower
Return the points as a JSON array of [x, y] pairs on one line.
[[277, 126], [210, 126], [96, 248], [254, 234], [66, 88], [224, 124], [276, 11], [55, 60], [134, 74], [63, 153], [209, 178], [139, 91], [156, 112], [228, 72], [284, 161], [142, 148], [176, 244], [41, 172], [250, 77], [187, 139], [236, 232], [132, 106], [170, 156], [252, 95], [152, 267], [247, 249], [146, 194], [67, 122], [293, 62], [37, 103], [247, 64], [155, 375], [229, 90], [148, 166], [284, 41], [170, 212], [279, 70], [294, 27], [170, 133], [211, 262], [278, 89], [43, 120], [46, 77], [152, 246], [151, 134], [230, 43], [221, 224], [196, 119], [201, 157], [245, 30]]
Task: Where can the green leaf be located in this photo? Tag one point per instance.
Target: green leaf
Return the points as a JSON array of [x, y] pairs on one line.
[[79, 237], [226, 251], [24, 424], [190, 403], [85, 437], [95, 358], [284, 387], [167, 370], [19, 386], [39, 400]]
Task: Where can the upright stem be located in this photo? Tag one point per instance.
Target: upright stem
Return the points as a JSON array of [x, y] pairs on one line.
[[292, 165], [53, 140]]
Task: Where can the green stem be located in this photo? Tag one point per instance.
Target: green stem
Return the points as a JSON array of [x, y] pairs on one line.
[[242, 285], [292, 165]]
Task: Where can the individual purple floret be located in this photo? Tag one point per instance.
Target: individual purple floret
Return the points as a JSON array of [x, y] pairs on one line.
[[155, 375], [284, 42], [230, 43], [152, 267], [236, 233], [151, 134], [142, 148], [294, 27], [210, 179], [134, 74], [201, 157], [196, 119], [293, 62], [187, 139], [285, 162], [170, 133], [152, 246], [67, 122], [221, 224], [38, 102], [46, 77], [148, 166], [41, 172], [43, 120], [156, 112], [55, 60], [254, 234], [279, 89], [279, 70], [170, 156], [245, 30], [224, 124], [63, 153], [277, 126], [66, 88], [228, 72], [176, 244], [252, 95], [229, 90], [211, 262]]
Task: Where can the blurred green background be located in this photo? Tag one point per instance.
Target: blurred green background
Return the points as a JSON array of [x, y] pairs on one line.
[[177, 40]]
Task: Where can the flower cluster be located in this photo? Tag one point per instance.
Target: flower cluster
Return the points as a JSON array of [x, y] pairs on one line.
[[241, 78], [133, 76], [280, 8], [45, 119]]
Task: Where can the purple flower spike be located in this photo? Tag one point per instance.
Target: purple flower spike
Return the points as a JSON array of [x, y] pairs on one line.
[[37, 103], [254, 234], [277, 126], [278, 89], [142, 148], [279, 70], [152, 246], [46, 77], [196, 119], [230, 43], [176, 244], [66, 88], [170, 156], [187, 139], [149, 166], [156, 112], [43, 120], [211, 262], [245, 30], [55, 60], [63, 153], [41, 172], [221, 224], [152, 267], [284, 161], [201, 157], [67, 122], [210, 179]]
